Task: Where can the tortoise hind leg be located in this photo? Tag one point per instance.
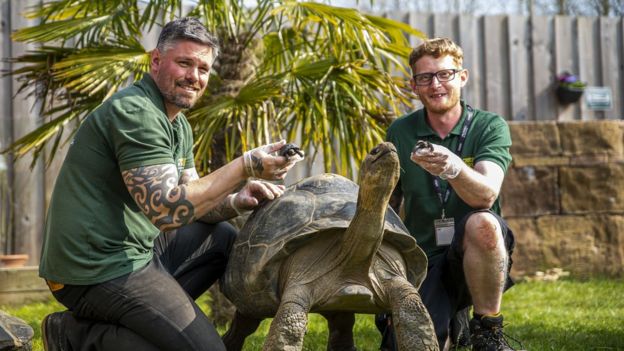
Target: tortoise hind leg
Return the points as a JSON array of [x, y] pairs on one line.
[[241, 327], [413, 326], [290, 323], [340, 325]]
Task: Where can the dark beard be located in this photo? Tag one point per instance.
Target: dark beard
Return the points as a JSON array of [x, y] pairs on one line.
[[178, 101]]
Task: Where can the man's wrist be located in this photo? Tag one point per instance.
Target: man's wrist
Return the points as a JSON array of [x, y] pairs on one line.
[[248, 164], [452, 172]]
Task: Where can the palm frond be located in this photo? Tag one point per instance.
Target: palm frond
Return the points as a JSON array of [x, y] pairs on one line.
[[324, 74], [91, 70]]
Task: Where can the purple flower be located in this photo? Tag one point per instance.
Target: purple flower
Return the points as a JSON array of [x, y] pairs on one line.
[[566, 77]]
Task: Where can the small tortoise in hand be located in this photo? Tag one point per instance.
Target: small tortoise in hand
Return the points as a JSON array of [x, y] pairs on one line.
[[290, 150], [422, 147]]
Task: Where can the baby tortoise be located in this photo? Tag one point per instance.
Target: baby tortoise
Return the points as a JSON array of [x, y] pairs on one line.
[[422, 147], [290, 150]]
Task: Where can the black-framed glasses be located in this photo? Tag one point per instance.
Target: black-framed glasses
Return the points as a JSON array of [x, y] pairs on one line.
[[443, 76]]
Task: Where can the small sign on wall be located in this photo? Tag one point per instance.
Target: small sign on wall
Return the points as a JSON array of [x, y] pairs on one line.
[[598, 98]]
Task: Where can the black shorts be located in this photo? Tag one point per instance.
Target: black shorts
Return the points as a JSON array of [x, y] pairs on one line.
[[444, 291]]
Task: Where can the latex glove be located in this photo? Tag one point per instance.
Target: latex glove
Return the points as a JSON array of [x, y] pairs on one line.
[[263, 162], [437, 160], [254, 193]]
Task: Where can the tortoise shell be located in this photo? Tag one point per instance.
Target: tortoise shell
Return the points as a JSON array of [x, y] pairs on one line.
[[308, 210]]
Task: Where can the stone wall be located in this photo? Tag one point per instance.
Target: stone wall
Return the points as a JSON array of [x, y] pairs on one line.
[[564, 197]]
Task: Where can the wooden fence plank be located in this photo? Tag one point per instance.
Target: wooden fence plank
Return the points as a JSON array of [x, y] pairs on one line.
[[589, 51], [443, 26], [28, 183], [543, 65], [566, 60], [6, 162], [469, 41], [610, 53], [424, 24], [519, 58], [496, 65]]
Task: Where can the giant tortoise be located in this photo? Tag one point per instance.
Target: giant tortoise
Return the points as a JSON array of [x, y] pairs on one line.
[[326, 246]]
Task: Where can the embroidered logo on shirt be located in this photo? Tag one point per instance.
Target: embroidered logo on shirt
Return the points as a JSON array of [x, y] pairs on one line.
[[469, 161]]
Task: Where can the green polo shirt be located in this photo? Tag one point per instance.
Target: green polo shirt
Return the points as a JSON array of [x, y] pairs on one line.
[[488, 139], [94, 230]]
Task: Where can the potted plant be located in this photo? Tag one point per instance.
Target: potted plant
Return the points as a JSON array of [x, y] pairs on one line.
[[569, 88]]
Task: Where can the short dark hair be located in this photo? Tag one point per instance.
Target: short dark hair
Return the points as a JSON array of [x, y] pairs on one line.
[[187, 28]]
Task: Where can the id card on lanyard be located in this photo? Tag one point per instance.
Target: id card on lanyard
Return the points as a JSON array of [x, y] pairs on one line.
[[445, 227]]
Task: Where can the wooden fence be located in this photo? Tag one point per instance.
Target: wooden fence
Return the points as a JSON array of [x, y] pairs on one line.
[[513, 63]]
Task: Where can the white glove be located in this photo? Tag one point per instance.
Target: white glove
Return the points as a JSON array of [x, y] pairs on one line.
[[437, 160]]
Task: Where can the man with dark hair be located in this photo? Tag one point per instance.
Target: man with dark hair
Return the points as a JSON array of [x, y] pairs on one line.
[[133, 235], [449, 188]]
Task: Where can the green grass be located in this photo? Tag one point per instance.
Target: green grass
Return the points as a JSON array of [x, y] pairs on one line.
[[564, 315]]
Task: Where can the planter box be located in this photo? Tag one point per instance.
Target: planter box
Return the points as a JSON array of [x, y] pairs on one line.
[[567, 95], [22, 285]]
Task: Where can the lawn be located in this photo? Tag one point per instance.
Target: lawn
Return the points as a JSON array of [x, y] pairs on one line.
[[563, 315]]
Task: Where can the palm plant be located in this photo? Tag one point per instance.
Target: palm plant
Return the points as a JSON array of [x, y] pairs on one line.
[[303, 71]]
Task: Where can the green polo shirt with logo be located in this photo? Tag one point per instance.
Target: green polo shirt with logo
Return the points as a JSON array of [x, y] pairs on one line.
[[488, 139], [94, 230]]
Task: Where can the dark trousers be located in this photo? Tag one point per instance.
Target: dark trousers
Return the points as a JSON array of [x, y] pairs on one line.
[[153, 308]]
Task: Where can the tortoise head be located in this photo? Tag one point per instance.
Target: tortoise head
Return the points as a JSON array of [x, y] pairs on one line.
[[379, 172]]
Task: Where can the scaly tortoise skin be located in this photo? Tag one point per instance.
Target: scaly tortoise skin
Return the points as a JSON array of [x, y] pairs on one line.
[[329, 246]]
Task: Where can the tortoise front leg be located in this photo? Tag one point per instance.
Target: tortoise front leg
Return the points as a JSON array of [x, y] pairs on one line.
[[412, 324], [290, 323]]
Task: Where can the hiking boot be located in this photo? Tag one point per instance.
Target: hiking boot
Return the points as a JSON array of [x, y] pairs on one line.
[[53, 332], [487, 334]]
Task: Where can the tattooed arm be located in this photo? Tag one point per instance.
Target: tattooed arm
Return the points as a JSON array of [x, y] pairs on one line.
[[169, 203], [223, 211]]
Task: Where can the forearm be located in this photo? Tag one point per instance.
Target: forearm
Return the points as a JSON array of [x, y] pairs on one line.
[[222, 212], [210, 193], [474, 188], [170, 205]]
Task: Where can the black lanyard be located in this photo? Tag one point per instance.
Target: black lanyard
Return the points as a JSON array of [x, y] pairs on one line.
[[458, 150]]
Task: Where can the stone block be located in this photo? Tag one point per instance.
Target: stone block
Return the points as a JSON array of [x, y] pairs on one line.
[[22, 285], [552, 161], [586, 246], [592, 189], [598, 158], [535, 138], [592, 137], [530, 191], [527, 256]]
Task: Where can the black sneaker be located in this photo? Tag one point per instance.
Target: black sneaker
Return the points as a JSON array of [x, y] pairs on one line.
[[487, 334], [53, 332]]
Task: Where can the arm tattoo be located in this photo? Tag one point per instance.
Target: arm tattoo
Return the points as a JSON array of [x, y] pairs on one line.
[[220, 213], [257, 164], [155, 190], [223, 211], [188, 175]]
